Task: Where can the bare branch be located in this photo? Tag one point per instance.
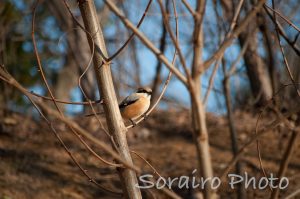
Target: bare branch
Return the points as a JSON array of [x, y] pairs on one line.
[[146, 41], [243, 24], [281, 30], [282, 51], [106, 89]]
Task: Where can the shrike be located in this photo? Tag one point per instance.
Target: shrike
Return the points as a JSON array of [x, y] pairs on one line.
[[135, 105]]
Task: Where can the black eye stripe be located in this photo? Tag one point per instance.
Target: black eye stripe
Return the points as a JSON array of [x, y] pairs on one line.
[[144, 91]]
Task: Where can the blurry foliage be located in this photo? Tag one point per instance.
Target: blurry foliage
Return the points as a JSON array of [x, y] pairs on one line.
[[17, 60], [16, 52]]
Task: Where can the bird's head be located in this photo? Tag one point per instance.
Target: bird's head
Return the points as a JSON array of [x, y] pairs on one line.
[[145, 90]]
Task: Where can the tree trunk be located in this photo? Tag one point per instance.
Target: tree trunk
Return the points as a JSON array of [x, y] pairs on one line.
[[78, 53], [271, 51], [198, 109], [162, 48], [201, 140], [106, 89], [66, 81], [290, 94], [259, 78], [233, 135], [257, 72]]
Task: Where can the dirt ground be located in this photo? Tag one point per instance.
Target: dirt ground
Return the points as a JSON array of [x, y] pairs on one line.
[[33, 164]]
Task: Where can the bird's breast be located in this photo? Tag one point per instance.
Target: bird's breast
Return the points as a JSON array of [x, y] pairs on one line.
[[135, 110]]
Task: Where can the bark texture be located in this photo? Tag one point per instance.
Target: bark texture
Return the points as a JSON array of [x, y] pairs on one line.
[[106, 89]]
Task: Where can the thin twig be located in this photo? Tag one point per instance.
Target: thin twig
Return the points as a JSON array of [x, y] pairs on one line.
[[51, 94], [7, 78], [85, 71], [282, 17], [282, 51], [170, 72], [292, 195], [66, 102], [285, 160], [132, 35], [226, 43], [146, 41], [168, 192], [147, 162], [293, 138], [259, 132], [258, 147], [189, 7], [293, 43], [106, 89], [175, 42], [218, 61], [211, 82]]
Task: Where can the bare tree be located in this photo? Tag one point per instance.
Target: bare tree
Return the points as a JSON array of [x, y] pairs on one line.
[[192, 79], [190, 71], [106, 89], [257, 72], [77, 57], [256, 69]]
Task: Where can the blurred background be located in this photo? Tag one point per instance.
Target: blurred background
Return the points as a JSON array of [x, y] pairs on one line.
[[253, 66], [65, 53]]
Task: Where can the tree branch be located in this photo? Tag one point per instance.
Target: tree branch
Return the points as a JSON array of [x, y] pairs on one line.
[[106, 89]]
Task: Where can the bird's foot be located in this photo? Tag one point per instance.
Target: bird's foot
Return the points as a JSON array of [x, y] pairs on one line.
[[133, 122], [144, 116]]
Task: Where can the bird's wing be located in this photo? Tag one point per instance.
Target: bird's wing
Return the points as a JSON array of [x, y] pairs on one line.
[[129, 100]]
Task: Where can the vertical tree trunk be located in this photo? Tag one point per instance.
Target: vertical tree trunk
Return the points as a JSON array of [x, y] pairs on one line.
[[234, 141], [198, 109], [257, 72], [290, 93], [107, 93], [285, 160], [78, 55], [162, 47], [201, 139], [66, 81], [259, 77], [271, 51]]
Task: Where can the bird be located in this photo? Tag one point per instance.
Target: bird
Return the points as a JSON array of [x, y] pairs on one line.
[[135, 105]]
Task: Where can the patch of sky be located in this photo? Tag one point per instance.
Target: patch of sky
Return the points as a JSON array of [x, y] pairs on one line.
[[176, 90], [40, 44], [50, 28], [19, 4], [75, 96], [27, 46], [37, 89], [54, 63], [109, 30], [99, 3], [148, 66], [58, 47], [33, 71], [62, 45]]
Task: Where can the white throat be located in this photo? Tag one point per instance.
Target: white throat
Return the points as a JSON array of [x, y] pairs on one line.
[[146, 95]]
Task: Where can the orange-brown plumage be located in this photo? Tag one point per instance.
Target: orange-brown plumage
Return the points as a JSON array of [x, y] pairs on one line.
[[136, 104], [135, 110]]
